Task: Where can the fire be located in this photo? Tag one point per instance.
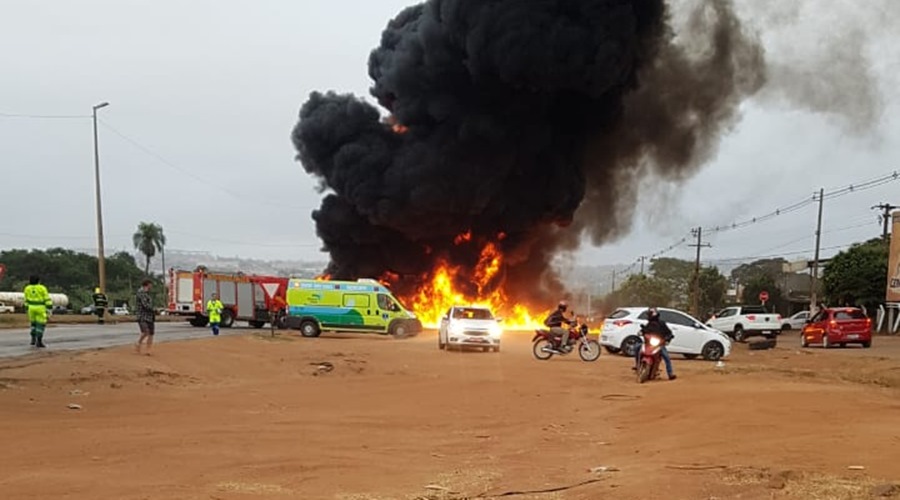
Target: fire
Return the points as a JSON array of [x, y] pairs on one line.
[[439, 293], [323, 277], [396, 126]]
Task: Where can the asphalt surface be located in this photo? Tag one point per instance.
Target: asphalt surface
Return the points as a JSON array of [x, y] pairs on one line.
[[15, 341]]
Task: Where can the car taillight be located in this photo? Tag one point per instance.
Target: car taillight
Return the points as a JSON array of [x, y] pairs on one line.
[[868, 323], [621, 322], [777, 317], [751, 317]]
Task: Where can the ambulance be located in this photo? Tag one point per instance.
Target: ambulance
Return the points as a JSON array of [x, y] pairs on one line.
[[364, 305]]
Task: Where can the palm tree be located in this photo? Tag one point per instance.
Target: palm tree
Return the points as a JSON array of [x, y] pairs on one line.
[[148, 239]]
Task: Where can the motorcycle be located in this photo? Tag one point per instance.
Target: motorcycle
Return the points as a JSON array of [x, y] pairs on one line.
[[650, 357], [545, 344]]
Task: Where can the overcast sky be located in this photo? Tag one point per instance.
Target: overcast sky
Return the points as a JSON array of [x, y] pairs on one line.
[[204, 95]]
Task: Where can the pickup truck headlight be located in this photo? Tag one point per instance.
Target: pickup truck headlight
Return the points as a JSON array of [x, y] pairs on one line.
[[496, 331]]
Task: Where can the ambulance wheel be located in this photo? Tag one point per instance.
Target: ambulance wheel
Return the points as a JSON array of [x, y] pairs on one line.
[[309, 328], [399, 330], [257, 324]]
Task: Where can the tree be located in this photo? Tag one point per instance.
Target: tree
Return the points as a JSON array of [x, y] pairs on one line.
[[858, 275], [758, 284], [148, 239], [677, 275], [713, 287], [640, 290]]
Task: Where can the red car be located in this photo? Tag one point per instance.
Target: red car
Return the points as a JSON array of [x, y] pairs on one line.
[[837, 326]]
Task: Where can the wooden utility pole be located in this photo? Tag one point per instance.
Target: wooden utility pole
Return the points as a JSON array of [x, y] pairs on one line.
[[695, 302], [813, 295], [886, 209]]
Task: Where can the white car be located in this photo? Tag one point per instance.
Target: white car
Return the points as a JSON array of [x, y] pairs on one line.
[[465, 326], [795, 322], [621, 333]]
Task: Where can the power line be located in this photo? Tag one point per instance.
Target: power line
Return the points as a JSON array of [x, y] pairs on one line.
[[205, 181], [836, 193], [19, 115]]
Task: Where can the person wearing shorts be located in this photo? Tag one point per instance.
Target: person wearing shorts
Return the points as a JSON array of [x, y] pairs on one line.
[[146, 316]]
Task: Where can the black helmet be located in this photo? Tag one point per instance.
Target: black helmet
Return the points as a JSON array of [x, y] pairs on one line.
[[652, 313], [563, 305]]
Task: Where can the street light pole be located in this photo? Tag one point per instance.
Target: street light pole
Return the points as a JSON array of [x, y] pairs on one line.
[[101, 258]]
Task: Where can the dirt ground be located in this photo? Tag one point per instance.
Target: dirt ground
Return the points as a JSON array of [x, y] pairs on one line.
[[254, 417]]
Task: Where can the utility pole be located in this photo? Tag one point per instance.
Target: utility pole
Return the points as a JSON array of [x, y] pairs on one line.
[[101, 253], [642, 264], [886, 209], [813, 296], [695, 303], [614, 281]]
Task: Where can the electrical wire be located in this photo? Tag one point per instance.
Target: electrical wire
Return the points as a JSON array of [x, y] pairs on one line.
[[18, 115], [206, 183]]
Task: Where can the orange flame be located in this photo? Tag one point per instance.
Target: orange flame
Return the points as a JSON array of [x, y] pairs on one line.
[[439, 294], [463, 238], [323, 277]]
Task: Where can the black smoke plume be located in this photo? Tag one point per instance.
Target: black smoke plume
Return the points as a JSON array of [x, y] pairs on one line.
[[526, 122]]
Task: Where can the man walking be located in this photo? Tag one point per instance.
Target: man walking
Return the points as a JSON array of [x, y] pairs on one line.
[[214, 309], [146, 316], [37, 300]]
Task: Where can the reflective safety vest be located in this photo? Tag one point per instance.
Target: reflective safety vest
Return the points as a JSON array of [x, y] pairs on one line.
[[214, 309], [37, 296]]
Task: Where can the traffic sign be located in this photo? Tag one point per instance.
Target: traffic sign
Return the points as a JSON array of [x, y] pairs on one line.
[[763, 296]]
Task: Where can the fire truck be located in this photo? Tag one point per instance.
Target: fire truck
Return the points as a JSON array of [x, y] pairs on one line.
[[255, 299]]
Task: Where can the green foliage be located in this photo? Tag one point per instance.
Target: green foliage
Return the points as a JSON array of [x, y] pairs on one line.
[[713, 287], [640, 290], [75, 274], [757, 284], [756, 270], [677, 275], [148, 239], [858, 275]]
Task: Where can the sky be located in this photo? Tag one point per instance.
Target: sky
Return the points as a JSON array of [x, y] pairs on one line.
[[203, 96]]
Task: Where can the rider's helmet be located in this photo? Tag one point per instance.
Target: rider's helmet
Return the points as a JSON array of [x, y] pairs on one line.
[[563, 305], [652, 314]]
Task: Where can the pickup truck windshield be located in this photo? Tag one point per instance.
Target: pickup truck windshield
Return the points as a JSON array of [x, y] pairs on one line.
[[472, 313]]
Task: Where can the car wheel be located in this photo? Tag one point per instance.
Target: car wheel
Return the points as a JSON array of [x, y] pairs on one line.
[[713, 351], [803, 341], [309, 328], [630, 346], [496, 348], [867, 344], [785, 327], [739, 334], [441, 344], [842, 345], [612, 350], [689, 356]]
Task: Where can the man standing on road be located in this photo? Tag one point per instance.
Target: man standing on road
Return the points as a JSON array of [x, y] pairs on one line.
[[100, 304], [214, 309], [37, 300], [146, 316]]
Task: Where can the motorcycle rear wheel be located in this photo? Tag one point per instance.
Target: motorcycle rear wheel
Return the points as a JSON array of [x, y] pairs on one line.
[[538, 349], [589, 350]]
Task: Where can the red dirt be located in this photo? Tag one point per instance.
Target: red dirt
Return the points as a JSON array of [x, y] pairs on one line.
[[252, 417]]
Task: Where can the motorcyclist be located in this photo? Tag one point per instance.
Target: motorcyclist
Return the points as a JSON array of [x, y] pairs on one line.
[[555, 323], [655, 325]]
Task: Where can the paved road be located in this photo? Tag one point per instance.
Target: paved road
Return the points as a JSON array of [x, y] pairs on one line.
[[14, 342]]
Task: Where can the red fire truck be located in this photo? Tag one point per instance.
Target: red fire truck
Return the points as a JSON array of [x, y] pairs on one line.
[[251, 298]]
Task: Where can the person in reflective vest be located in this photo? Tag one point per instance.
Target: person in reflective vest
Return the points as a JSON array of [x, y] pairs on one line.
[[214, 309], [100, 304], [37, 300]]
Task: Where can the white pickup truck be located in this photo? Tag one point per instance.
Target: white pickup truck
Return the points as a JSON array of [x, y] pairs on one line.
[[741, 322], [6, 308]]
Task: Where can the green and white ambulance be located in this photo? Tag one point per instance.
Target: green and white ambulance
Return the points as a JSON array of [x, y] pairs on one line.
[[347, 306]]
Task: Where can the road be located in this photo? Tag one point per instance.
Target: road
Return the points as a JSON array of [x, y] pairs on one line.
[[14, 342]]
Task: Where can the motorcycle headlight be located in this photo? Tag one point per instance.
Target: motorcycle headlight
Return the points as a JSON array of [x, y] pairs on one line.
[[654, 341]]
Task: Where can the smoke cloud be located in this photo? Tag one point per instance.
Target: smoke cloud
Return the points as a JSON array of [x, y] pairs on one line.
[[525, 122]]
